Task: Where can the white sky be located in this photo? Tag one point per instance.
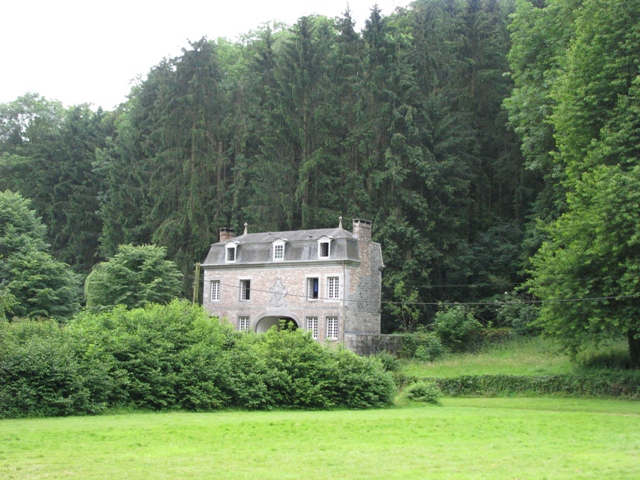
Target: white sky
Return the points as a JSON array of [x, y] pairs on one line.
[[83, 51]]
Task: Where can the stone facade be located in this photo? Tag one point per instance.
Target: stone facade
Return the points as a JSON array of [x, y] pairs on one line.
[[327, 281]]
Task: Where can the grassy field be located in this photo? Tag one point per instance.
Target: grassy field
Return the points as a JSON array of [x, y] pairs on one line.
[[464, 438], [524, 356]]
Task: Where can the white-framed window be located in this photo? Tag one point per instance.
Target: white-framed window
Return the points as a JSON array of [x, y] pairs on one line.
[[215, 290], [245, 290], [278, 251], [313, 288], [332, 328], [333, 288], [312, 326], [243, 324], [324, 247], [231, 253]]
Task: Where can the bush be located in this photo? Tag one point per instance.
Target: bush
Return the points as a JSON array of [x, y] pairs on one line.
[[497, 336], [389, 362], [422, 345], [424, 391], [176, 357], [303, 373], [43, 372], [516, 313], [457, 329]]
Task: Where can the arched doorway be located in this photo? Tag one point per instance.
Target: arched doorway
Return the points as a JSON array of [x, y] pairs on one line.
[[265, 323]]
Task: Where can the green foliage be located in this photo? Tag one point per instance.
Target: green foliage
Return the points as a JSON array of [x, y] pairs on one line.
[[421, 344], [136, 276], [389, 362], [575, 107], [423, 391], [519, 313], [44, 372], [42, 287], [457, 329], [49, 157], [302, 373], [32, 283], [607, 356], [595, 385], [175, 357], [592, 254], [20, 229]]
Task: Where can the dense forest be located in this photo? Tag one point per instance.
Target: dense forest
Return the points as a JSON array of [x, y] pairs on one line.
[[450, 124]]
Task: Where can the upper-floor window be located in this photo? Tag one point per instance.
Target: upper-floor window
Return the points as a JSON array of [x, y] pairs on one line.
[[278, 250], [324, 248], [333, 288], [231, 253], [245, 290], [312, 288], [215, 290]]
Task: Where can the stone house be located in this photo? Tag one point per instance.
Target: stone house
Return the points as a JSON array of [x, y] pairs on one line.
[[327, 281]]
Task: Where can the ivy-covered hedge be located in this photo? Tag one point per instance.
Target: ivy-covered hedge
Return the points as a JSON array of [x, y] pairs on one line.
[[622, 384], [175, 357]]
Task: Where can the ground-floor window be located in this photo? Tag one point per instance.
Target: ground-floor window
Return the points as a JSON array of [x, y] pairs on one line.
[[243, 324], [312, 326], [332, 328]]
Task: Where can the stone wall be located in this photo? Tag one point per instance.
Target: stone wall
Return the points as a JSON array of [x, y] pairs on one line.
[[372, 344]]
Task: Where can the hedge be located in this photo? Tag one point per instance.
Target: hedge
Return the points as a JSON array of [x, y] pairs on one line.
[[175, 357], [620, 384]]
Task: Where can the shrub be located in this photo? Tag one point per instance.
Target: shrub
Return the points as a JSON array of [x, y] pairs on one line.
[[422, 345], [516, 313], [457, 329], [176, 356], [424, 391], [389, 362], [43, 372], [496, 336], [302, 373]]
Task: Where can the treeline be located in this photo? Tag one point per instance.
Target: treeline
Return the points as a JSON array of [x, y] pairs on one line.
[[290, 128]]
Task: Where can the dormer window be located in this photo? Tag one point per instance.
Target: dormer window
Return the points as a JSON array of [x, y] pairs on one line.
[[278, 250], [324, 247], [231, 253]]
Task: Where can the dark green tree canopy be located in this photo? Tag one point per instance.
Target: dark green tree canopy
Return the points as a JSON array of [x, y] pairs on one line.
[[136, 276]]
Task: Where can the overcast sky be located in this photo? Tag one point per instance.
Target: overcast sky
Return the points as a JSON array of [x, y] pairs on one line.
[[90, 51]]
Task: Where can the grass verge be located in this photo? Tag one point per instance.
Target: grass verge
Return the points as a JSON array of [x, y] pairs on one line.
[[466, 438], [522, 356]]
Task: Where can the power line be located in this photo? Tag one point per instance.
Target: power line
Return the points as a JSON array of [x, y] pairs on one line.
[[495, 303], [525, 302]]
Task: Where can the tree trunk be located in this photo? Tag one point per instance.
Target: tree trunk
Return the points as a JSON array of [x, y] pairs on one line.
[[633, 336]]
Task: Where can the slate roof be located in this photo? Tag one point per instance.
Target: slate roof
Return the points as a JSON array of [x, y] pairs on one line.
[[300, 246]]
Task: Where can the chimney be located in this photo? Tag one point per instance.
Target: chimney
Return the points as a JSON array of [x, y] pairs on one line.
[[226, 234], [362, 230]]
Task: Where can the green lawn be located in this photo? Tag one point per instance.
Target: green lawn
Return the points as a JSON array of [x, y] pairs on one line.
[[464, 438], [524, 356]]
